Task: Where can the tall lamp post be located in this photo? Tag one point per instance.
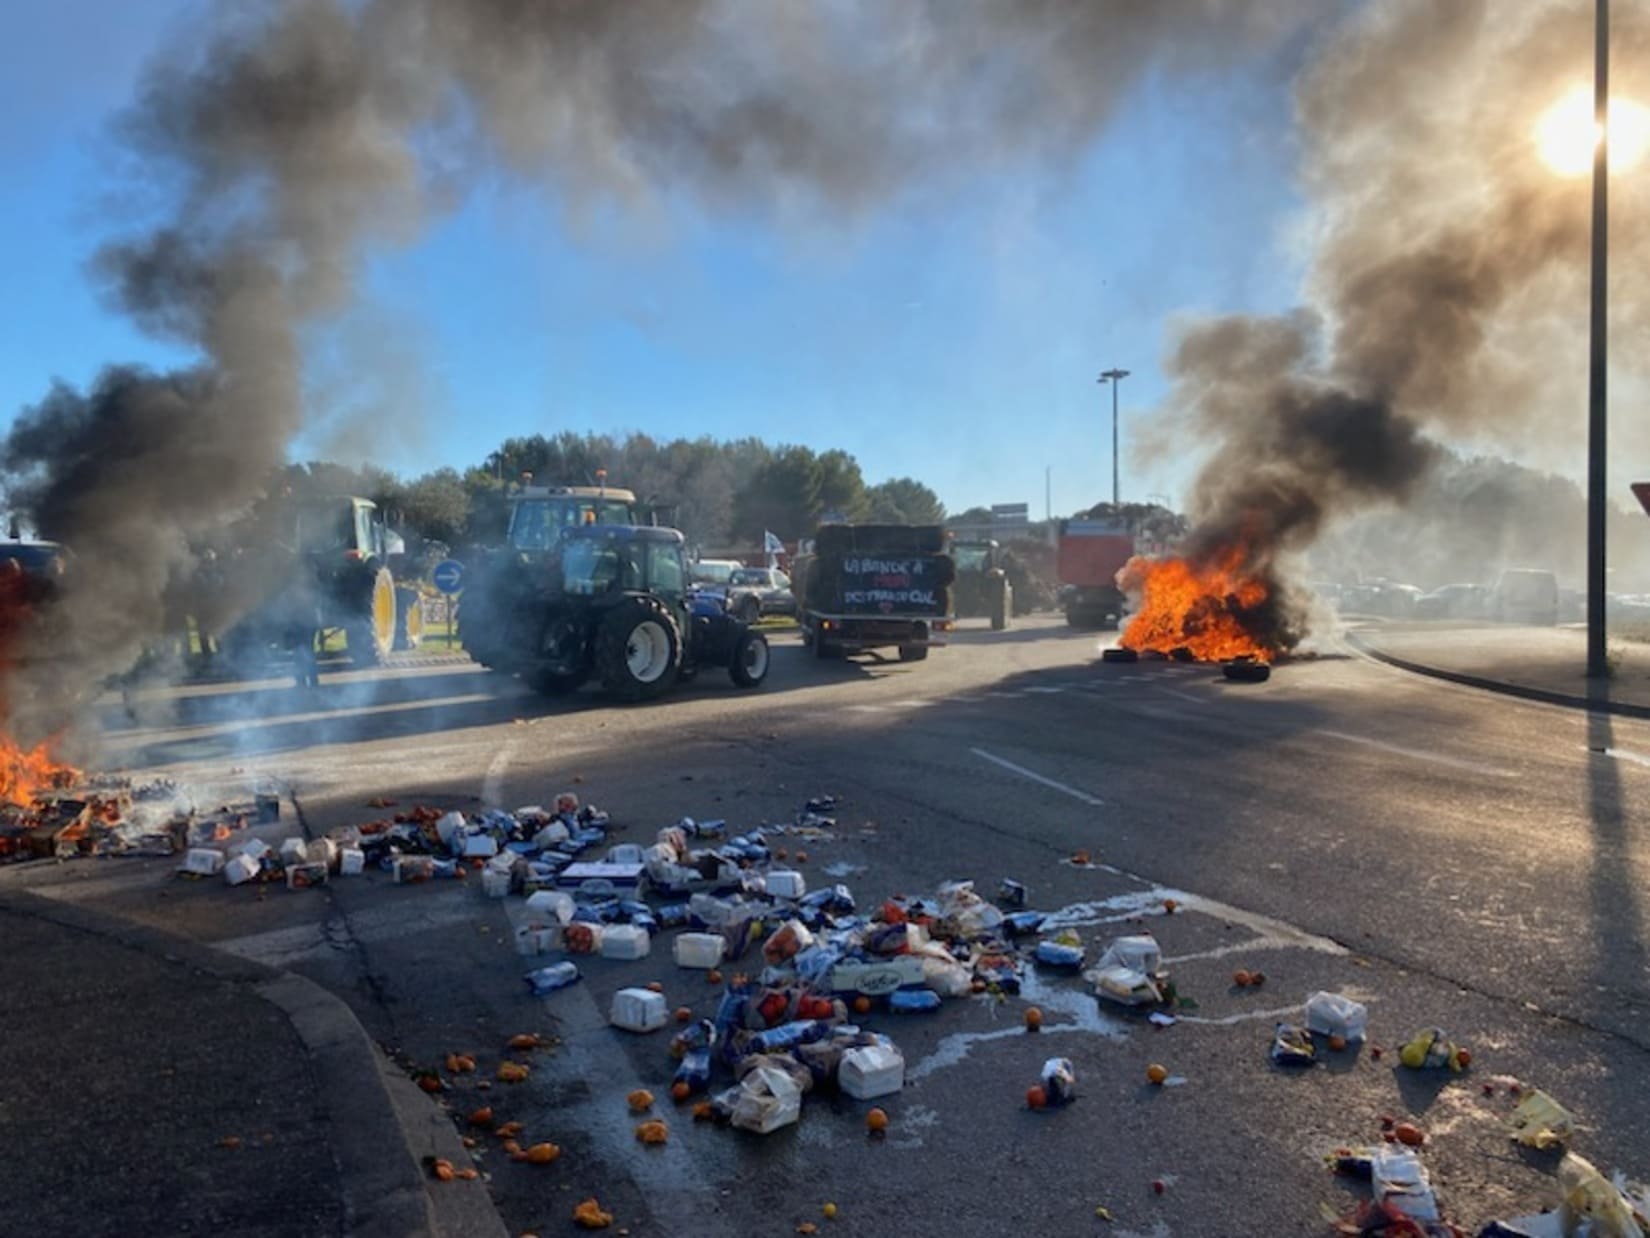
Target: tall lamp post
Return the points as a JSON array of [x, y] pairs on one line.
[[1597, 421], [1115, 377]]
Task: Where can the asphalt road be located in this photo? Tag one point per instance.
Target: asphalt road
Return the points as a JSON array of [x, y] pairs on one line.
[[1448, 856]]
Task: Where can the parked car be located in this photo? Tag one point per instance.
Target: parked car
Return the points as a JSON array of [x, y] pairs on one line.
[[1526, 595], [713, 572], [754, 592], [1454, 602]]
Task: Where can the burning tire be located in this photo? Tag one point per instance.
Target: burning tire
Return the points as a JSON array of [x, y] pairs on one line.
[[1117, 653], [638, 649], [750, 660], [1246, 670]]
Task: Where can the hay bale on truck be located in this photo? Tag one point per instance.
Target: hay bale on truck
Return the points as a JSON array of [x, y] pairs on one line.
[[874, 586]]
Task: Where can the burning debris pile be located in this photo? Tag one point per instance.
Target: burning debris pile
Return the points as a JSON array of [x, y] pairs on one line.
[[66, 818], [1210, 611]]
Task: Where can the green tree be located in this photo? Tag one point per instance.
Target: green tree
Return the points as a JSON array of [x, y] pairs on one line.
[[436, 506], [904, 500]]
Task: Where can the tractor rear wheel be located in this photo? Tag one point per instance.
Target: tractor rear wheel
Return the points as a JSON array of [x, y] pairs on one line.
[[638, 649], [370, 636]]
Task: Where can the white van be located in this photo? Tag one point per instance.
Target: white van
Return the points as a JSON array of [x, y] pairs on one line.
[[1526, 595]]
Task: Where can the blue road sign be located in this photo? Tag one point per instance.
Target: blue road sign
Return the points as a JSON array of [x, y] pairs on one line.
[[448, 576]]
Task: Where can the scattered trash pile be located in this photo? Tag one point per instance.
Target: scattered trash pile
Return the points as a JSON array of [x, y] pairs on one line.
[[116, 817]]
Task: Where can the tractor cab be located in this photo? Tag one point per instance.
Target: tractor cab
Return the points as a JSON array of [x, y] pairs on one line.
[[542, 516], [600, 560]]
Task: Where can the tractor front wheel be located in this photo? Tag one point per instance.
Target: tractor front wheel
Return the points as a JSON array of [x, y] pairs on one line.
[[370, 636], [750, 660]]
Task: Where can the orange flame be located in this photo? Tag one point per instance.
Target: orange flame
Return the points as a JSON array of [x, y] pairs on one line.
[[25, 773], [1196, 607]]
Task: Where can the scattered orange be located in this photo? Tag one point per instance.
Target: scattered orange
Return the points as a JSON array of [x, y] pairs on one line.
[[654, 986], [1242, 978], [862, 1004], [512, 1148], [542, 1153], [713, 976], [1337, 1042], [876, 1121], [512, 1072], [1256, 979], [639, 1100], [589, 1215], [680, 1090], [683, 1014], [443, 1170], [482, 1116], [1080, 858], [524, 1040], [1169, 906], [704, 1111], [830, 1212], [1156, 1074], [506, 1130], [468, 1173], [430, 1083], [1408, 1133], [654, 1132], [1463, 1058], [801, 857], [1036, 1097], [1034, 1018]]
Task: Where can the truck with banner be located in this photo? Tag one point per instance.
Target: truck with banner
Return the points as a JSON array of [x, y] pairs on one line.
[[874, 586]]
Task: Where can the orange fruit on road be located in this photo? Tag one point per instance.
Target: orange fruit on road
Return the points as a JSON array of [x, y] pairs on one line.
[[862, 1004], [713, 977], [482, 1116], [876, 1121], [654, 986], [1242, 978], [1337, 1042], [1409, 1134], [639, 1100], [1034, 1018], [1036, 1097], [683, 1014], [1169, 906], [1156, 1074], [681, 1090]]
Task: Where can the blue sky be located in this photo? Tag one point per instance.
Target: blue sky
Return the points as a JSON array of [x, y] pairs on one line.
[[953, 336]]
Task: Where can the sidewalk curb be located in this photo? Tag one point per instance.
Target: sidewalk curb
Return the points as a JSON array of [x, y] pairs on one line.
[[384, 1195], [1501, 686]]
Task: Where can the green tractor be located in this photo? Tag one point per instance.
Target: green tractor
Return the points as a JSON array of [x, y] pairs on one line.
[[324, 568], [982, 586], [610, 602]]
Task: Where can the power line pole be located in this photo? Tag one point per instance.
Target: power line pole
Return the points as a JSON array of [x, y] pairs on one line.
[[1597, 418], [1115, 377]]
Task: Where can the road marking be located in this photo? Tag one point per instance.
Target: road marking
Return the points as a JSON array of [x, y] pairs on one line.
[[912, 704], [1021, 770], [1620, 754], [492, 784], [867, 709], [1436, 758], [1186, 696], [1049, 691]]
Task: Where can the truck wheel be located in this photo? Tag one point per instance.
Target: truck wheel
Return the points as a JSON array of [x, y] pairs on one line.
[[913, 653], [750, 660], [409, 618], [1002, 607], [638, 649]]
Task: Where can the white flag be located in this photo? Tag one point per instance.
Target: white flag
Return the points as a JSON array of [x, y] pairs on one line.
[[771, 544]]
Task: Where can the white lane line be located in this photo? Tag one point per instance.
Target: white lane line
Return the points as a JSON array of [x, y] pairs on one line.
[[1021, 770], [1436, 758], [1620, 754], [1049, 691], [1185, 696], [867, 709], [912, 704], [493, 782]]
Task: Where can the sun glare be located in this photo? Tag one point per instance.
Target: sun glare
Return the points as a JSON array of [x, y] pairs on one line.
[[1566, 134]]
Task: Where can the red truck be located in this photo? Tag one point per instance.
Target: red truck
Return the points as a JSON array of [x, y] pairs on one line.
[[1090, 554]]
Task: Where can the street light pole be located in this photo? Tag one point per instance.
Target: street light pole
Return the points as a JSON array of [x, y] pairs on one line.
[[1597, 418], [1115, 377]]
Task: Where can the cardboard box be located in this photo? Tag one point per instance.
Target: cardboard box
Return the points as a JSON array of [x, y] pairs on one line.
[[205, 861]]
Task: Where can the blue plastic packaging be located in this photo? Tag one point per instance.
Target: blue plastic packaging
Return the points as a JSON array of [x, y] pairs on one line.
[[913, 1001], [549, 979]]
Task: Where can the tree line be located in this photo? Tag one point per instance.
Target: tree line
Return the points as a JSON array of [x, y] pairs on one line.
[[721, 494]]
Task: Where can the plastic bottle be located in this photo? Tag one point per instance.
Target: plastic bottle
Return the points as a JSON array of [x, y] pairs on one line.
[[549, 979]]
